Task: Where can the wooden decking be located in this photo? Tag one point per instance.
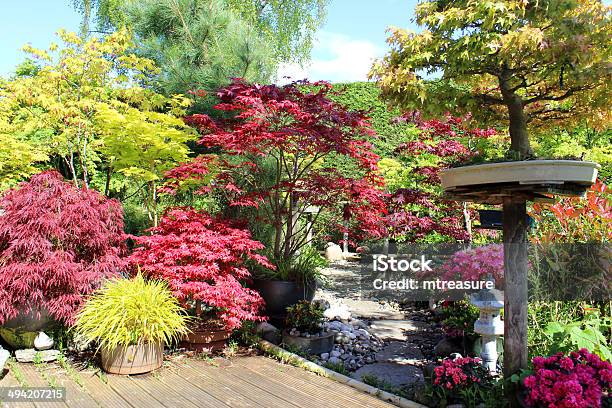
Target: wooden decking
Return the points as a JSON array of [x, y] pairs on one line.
[[251, 381]]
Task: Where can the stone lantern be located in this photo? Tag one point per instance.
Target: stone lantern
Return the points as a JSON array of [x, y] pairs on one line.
[[489, 324]]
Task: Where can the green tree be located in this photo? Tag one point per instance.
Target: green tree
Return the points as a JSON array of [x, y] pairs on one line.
[[519, 60], [198, 44], [86, 107], [288, 25]]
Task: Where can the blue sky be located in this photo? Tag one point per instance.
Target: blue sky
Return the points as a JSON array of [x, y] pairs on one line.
[[352, 37]]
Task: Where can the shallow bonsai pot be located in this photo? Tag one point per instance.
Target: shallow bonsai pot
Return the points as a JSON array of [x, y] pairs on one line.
[[311, 345], [20, 331], [279, 295], [522, 172], [205, 339], [134, 359]]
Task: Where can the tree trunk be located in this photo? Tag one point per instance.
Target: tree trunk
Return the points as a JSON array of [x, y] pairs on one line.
[[467, 222], [108, 180], [519, 136], [291, 221], [515, 290]]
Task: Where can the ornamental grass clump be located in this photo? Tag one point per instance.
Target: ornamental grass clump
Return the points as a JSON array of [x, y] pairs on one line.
[[128, 312]]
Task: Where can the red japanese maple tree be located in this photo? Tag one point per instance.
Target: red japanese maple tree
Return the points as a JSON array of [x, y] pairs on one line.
[[204, 261], [279, 153], [417, 212], [57, 242]]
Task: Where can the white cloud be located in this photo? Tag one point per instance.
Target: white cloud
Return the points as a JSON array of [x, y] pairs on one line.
[[335, 58]]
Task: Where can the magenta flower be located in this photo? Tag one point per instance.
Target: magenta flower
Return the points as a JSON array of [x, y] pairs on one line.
[[577, 381]]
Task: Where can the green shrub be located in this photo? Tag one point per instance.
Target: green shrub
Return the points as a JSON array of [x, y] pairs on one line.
[[587, 333], [458, 318], [305, 316], [131, 311], [304, 268], [567, 326]]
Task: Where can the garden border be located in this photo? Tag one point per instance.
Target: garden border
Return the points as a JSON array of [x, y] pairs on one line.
[[291, 358]]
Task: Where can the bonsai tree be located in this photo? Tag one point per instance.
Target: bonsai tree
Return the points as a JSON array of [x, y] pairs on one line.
[[279, 155], [305, 317], [57, 243], [523, 61], [203, 259]]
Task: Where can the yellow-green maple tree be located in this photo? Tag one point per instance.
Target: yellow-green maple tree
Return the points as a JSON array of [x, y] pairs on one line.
[[519, 61], [88, 108]]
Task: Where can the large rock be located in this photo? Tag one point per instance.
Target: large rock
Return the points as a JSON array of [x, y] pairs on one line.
[[333, 252], [398, 375], [269, 332], [29, 355], [448, 346], [43, 342], [4, 356], [395, 329], [338, 311], [400, 352]]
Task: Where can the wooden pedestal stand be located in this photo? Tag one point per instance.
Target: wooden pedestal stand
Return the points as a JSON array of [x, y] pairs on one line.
[[462, 184]]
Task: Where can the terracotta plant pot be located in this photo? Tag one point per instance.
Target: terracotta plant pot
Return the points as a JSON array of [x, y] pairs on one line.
[[206, 339], [135, 359], [311, 345]]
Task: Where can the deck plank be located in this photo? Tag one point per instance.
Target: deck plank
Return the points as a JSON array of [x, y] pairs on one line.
[[34, 379], [76, 396], [9, 380], [168, 396], [278, 387], [101, 392], [227, 386], [240, 382], [297, 378], [171, 378], [136, 396]]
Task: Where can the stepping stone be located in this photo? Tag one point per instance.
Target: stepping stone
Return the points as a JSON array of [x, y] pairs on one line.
[[400, 352], [394, 329], [398, 375], [29, 355]]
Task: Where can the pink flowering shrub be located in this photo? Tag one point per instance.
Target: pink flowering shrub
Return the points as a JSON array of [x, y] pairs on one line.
[[475, 264], [559, 381], [461, 380]]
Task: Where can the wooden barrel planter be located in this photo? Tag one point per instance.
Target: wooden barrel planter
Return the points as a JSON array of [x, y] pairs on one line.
[[207, 337], [134, 359]]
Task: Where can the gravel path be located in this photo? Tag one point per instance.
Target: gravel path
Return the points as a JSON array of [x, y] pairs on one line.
[[405, 335]]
